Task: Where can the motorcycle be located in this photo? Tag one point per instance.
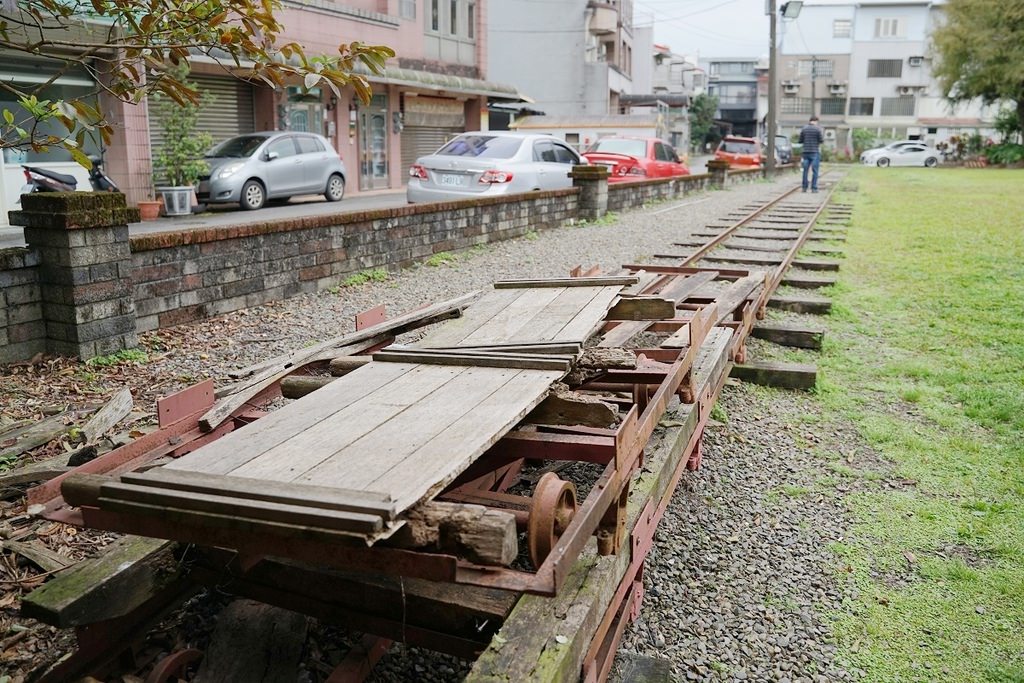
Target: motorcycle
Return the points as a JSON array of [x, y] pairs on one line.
[[44, 180]]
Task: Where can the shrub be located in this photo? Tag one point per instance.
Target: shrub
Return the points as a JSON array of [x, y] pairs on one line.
[[1005, 153]]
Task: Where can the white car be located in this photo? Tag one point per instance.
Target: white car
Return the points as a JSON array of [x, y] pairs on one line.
[[908, 155], [489, 163], [871, 155]]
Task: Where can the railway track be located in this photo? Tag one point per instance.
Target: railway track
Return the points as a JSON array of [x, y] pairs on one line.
[[699, 301]]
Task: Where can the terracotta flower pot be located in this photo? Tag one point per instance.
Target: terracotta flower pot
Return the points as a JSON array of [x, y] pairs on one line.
[[149, 210]]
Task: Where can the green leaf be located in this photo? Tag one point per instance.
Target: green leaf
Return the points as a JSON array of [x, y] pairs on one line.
[[311, 80], [8, 117]]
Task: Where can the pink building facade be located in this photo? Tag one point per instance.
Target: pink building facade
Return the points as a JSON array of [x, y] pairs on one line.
[[435, 87]]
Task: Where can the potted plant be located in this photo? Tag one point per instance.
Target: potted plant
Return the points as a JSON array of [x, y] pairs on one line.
[[149, 209], [179, 161]]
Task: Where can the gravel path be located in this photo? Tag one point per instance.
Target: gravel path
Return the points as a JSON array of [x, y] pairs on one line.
[[740, 582]]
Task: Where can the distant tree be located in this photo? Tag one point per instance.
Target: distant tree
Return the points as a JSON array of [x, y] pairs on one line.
[[979, 50], [702, 118], [130, 47]]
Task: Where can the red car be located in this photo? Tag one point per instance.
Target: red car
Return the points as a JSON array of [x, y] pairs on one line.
[[740, 152], [636, 159]]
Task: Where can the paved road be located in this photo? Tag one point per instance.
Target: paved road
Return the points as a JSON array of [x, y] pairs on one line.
[[314, 205], [222, 216]]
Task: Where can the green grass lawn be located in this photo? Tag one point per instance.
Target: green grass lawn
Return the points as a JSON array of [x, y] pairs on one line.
[[926, 355]]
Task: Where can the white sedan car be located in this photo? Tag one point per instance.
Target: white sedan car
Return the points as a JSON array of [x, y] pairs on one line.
[[489, 163], [906, 155], [869, 156]]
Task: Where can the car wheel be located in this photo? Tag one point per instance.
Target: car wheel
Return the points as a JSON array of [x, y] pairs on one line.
[[931, 162], [883, 162], [335, 188], [253, 195]]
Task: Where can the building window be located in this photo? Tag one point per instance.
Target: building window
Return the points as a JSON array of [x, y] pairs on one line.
[[732, 68], [407, 9], [471, 20], [453, 18], [435, 15], [833, 106], [862, 106], [796, 105], [898, 106], [885, 68], [889, 28], [842, 28], [822, 68]]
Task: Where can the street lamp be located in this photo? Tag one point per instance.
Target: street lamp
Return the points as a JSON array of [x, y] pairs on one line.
[[790, 10]]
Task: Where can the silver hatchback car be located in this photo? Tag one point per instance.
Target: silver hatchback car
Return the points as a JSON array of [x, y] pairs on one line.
[[250, 169], [488, 163]]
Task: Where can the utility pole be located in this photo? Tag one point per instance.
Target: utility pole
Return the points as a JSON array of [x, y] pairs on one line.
[[773, 78], [814, 84]]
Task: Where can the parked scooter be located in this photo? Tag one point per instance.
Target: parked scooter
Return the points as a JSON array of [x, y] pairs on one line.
[[44, 180]]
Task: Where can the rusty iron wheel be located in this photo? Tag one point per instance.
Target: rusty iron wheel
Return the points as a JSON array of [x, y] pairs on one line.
[[173, 666], [551, 510]]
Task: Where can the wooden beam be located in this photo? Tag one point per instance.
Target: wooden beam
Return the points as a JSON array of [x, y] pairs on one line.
[[112, 412], [124, 576], [472, 532], [297, 386], [601, 281], [566, 407], [342, 365], [789, 335], [808, 281], [776, 374], [804, 304], [642, 308], [484, 359]]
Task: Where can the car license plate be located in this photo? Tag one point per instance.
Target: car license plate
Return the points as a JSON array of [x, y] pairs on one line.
[[452, 180]]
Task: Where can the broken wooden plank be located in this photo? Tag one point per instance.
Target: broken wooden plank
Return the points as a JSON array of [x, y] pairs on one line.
[[642, 308], [801, 304], [483, 359], [472, 532], [112, 412], [797, 336], [566, 407], [736, 294], [226, 407], [32, 436], [601, 281], [38, 554], [622, 333], [41, 470], [397, 325], [777, 374], [127, 574]]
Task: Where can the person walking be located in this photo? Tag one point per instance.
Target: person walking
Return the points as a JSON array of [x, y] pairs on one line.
[[811, 137]]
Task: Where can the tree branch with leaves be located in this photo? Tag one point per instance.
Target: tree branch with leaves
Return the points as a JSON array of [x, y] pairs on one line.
[[131, 49], [979, 52]]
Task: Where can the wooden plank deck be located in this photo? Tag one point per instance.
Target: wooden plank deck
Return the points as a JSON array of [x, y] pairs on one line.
[[398, 429]]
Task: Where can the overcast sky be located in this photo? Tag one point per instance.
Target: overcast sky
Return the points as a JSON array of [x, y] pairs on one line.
[[714, 28]]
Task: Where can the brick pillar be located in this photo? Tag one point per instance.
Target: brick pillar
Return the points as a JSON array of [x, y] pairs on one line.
[[593, 184], [84, 269], [719, 171]]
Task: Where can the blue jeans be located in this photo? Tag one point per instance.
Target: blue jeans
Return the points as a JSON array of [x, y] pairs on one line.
[[813, 162]]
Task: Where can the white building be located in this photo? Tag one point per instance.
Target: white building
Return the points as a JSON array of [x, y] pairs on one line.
[[866, 64]]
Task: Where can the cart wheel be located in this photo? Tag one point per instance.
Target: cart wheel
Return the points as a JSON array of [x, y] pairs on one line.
[[552, 508], [173, 666]]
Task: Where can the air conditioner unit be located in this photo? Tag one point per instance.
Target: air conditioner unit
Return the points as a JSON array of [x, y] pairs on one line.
[[830, 134], [790, 87], [837, 88], [906, 89], [915, 61]]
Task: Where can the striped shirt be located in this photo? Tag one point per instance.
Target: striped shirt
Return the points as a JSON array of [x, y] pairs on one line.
[[811, 138]]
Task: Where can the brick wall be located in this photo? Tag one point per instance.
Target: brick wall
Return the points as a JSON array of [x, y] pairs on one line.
[[22, 330], [635, 194], [183, 276]]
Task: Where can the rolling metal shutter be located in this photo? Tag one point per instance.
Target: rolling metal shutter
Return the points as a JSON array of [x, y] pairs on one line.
[[229, 111], [429, 123]]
